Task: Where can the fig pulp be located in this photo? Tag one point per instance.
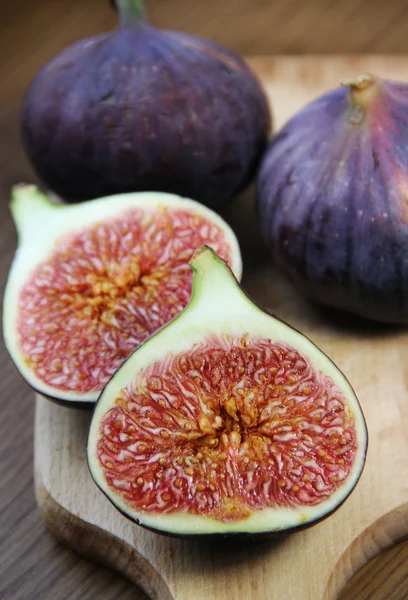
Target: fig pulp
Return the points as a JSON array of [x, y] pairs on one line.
[[226, 421], [332, 199], [139, 109], [90, 282]]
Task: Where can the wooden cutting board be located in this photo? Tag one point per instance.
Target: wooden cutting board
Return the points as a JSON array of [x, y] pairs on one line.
[[311, 565]]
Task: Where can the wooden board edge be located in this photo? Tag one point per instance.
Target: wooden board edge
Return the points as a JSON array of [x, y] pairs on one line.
[[96, 544], [388, 531]]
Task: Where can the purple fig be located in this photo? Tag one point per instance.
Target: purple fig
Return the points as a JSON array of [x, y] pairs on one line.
[[138, 109], [333, 199]]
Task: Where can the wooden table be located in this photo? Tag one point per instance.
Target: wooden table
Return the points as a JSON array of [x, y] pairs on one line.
[[32, 563]]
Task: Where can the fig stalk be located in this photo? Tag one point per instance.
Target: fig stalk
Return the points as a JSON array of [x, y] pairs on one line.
[[131, 12], [28, 205], [363, 90]]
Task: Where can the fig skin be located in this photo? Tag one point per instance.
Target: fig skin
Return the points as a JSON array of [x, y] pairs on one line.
[[332, 199], [141, 109]]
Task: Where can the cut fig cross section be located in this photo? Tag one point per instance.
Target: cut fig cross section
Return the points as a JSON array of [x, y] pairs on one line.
[[90, 282], [226, 421]]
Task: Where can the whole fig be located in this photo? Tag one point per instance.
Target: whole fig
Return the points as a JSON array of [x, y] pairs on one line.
[[333, 199], [139, 109]]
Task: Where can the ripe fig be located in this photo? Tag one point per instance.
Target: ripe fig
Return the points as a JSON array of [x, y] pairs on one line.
[[89, 282], [141, 109], [226, 421], [332, 199]]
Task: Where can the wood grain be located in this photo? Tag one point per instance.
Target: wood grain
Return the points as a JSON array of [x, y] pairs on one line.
[[32, 563], [368, 583], [248, 26], [373, 357]]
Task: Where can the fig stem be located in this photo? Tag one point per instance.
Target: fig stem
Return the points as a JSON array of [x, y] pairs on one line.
[[29, 206], [361, 82], [214, 284], [131, 12], [363, 91]]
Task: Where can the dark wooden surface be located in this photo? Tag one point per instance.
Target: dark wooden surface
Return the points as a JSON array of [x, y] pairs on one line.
[[248, 26], [32, 564]]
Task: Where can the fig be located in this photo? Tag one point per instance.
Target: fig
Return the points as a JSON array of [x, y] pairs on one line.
[[141, 109], [332, 199], [226, 421], [89, 282]]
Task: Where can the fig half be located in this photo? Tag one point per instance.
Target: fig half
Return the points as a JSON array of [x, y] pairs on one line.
[[90, 282], [226, 421]]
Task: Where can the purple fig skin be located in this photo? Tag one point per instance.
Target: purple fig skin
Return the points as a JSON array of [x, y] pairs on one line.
[[145, 109], [332, 197]]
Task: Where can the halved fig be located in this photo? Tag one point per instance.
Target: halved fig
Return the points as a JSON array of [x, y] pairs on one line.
[[90, 282], [226, 421]]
